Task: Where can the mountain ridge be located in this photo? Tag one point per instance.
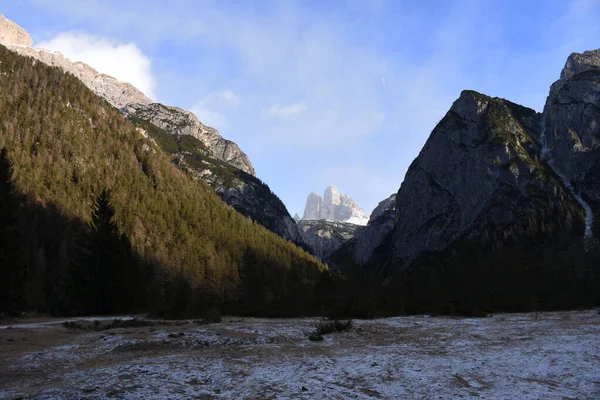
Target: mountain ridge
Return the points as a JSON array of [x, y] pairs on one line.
[[245, 193]]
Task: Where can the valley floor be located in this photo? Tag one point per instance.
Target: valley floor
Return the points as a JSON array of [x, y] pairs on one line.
[[533, 356]]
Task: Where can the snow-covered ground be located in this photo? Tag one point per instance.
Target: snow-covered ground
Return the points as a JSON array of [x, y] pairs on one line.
[[513, 356]]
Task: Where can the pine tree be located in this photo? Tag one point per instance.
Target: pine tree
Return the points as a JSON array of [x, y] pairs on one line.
[[103, 279], [12, 268]]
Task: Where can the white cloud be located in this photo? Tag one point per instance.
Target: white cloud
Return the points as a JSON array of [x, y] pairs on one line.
[[210, 110], [125, 62], [278, 111]]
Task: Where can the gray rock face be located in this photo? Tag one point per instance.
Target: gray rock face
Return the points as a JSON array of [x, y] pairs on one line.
[[254, 199], [179, 122], [11, 33], [385, 207], [334, 206], [477, 162], [325, 237], [578, 63], [479, 172], [367, 238], [314, 202], [572, 122]]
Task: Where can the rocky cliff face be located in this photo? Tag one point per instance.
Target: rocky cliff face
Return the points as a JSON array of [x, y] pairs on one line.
[[359, 249], [334, 206], [176, 121], [325, 237], [483, 151], [482, 175], [572, 125]]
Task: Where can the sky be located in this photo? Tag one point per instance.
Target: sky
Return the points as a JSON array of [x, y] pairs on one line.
[[320, 92]]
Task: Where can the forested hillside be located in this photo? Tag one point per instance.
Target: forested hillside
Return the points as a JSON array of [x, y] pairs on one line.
[[70, 155]]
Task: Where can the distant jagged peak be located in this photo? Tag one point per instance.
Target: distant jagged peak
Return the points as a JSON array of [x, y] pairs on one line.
[[334, 206]]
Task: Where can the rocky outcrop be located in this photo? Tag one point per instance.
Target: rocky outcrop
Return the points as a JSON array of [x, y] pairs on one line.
[[572, 123], [334, 206], [325, 237], [366, 239], [12, 33], [176, 121], [314, 203]]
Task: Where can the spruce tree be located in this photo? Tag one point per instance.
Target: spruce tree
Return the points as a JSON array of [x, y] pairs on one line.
[[12, 267], [103, 278]]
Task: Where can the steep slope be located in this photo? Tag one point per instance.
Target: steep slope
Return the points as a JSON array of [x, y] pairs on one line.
[[480, 169], [179, 122], [204, 154], [359, 249], [241, 190], [334, 206], [480, 175], [67, 145], [325, 237], [572, 129], [112, 90]]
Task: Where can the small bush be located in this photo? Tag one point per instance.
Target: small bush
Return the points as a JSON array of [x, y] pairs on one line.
[[325, 327]]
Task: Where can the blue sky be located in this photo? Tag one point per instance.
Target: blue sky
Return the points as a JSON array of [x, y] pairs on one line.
[[317, 92]]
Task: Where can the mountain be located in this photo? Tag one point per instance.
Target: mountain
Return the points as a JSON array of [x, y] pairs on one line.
[[205, 155], [481, 174], [360, 247], [117, 93], [334, 206], [498, 211], [325, 237], [241, 189], [571, 132], [85, 188]]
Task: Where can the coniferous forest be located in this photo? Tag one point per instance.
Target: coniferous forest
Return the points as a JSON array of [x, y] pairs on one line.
[[96, 219]]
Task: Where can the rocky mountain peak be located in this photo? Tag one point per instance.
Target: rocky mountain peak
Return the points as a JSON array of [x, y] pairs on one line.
[[581, 62], [11, 33], [471, 104], [334, 206], [332, 195]]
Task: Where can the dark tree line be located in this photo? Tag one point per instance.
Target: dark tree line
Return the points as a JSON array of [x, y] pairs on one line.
[[13, 272]]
